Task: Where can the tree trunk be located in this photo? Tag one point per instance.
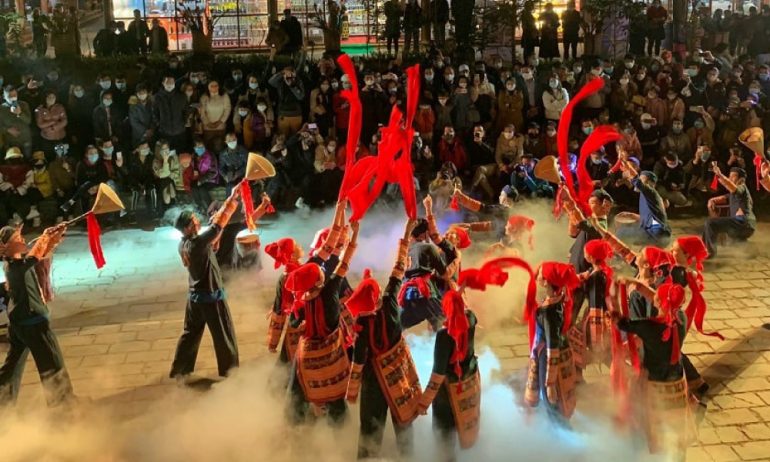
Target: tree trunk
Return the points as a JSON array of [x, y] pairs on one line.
[[201, 43], [332, 41]]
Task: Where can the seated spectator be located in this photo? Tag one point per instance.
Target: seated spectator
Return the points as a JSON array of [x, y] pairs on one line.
[[482, 162], [262, 122], [533, 142], [629, 141], [16, 179], [649, 134], [328, 176], [252, 92], [321, 107], [677, 142], [232, 162], [524, 181], [168, 174], [113, 169], [671, 181], [51, 119], [242, 123], [62, 170], [141, 180], [106, 120], [215, 111], [87, 177], [424, 122], [550, 140], [205, 175], [442, 188], [509, 148], [15, 117], [598, 168], [451, 149], [510, 107], [42, 186]]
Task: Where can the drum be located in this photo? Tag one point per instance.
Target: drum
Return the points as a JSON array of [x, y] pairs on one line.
[[247, 245], [626, 220]]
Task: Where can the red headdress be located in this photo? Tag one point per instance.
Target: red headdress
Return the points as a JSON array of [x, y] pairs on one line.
[[601, 251], [304, 278], [695, 250], [364, 298], [318, 240], [490, 273], [463, 239], [520, 223], [560, 275], [671, 297], [658, 257], [281, 251], [457, 326]]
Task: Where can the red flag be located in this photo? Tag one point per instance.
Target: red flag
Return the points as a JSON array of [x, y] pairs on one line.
[[94, 239]]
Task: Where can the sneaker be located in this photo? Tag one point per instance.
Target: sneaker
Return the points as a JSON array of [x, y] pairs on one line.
[[300, 204], [33, 213]]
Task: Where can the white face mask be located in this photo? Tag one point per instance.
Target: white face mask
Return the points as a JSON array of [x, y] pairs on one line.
[[169, 87], [253, 85], [232, 144], [646, 125], [624, 81], [243, 112], [510, 87], [261, 107], [553, 84], [78, 93], [120, 85], [527, 75], [105, 84], [596, 72], [142, 96]]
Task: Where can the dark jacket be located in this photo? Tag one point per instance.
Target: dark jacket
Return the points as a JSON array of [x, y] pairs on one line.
[[170, 112]]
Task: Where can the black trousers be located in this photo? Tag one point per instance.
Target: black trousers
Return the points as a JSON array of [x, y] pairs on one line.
[[392, 40], [411, 39], [422, 309], [374, 411], [653, 42], [736, 228], [444, 425], [40, 340], [197, 316], [570, 43]]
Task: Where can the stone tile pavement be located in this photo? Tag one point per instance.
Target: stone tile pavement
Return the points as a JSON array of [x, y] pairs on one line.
[[118, 328]]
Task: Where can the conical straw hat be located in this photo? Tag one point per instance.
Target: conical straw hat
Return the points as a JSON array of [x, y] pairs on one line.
[[754, 139], [257, 167], [106, 201], [547, 170]]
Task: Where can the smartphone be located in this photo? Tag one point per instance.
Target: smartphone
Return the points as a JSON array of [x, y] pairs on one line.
[[312, 127], [172, 152], [119, 155]]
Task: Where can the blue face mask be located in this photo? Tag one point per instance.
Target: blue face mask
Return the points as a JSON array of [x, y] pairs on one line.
[[199, 150], [93, 158]]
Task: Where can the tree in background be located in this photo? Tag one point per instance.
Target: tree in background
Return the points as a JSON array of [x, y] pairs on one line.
[[201, 23]]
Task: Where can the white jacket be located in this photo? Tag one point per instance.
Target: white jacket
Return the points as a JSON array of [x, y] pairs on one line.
[[554, 105]]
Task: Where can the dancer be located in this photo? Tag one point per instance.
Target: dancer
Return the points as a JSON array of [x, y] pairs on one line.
[[667, 414], [551, 376], [419, 294], [29, 329], [287, 253], [206, 303], [741, 223], [454, 389], [383, 369], [322, 367], [597, 283]]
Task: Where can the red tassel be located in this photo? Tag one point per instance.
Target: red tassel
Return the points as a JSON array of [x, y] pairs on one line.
[[758, 159], [714, 183], [454, 205], [269, 209], [94, 239], [248, 204], [696, 309]]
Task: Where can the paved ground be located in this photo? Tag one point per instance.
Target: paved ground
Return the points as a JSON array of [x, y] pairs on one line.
[[118, 328]]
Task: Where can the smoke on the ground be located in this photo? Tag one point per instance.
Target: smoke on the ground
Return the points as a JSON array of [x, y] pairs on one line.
[[243, 417]]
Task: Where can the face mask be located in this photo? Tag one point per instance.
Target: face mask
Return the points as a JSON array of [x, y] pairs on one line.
[[108, 151], [105, 84], [199, 150], [754, 90], [553, 84], [628, 131], [686, 92], [144, 152], [324, 88], [120, 85], [577, 69], [449, 77], [596, 161], [508, 135], [438, 64], [705, 155], [692, 72], [608, 70], [646, 125], [624, 81], [335, 85], [550, 133], [261, 107], [189, 94], [588, 130], [442, 101], [237, 77], [331, 148], [393, 90], [764, 77], [78, 93], [142, 96], [671, 166], [195, 80], [232, 144], [462, 85], [510, 87], [498, 65], [738, 74], [596, 72], [629, 64], [253, 85], [677, 129], [641, 77], [243, 113], [107, 102], [169, 87], [347, 85], [527, 75], [93, 158], [429, 77], [12, 99], [654, 68]]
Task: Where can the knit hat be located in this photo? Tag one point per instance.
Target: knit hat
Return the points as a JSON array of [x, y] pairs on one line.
[[304, 278], [318, 240], [281, 251], [364, 298]]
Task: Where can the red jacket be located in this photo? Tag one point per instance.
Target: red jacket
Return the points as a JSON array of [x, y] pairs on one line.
[[424, 121], [454, 152], [341, 114]]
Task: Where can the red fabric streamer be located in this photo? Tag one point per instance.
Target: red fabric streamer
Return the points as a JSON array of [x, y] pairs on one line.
[[633, 351], [601, 135], [269, 209], [248, 204], [490, 273], [94, 239], [714, 183], [758, 159], [354, 121], [616, 166], [454, 205], [696, 308], [562, 136], [457, 327]]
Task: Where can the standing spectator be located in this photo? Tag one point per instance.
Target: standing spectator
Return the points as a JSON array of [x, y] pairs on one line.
[[461, 114], [293, 30], [167, 171], [140, 117], [555, 99], [424, 122], [529, 33], [15, 117], [657, 16], [106, 120], [205, 175], [51, 119], [373, 107], [549, 33], [321, 107], [120, 95], [291, 94], [124, 43], [170, 109], [105, 42], [64, 39], [40, 28], [232, 162], [451, 149], [412, 24], [157, 38], [570, 20], [392, 10], [137, 31], [341, 112], [15, 180], [215, 111], [510, 107], [439, 17], [262, 121], [80, 108]]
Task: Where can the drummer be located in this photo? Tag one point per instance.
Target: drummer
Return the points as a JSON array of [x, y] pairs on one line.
[[653, 221]]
